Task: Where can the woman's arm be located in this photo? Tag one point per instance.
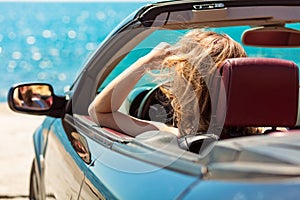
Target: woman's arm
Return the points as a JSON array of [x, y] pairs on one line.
[[104, 108]]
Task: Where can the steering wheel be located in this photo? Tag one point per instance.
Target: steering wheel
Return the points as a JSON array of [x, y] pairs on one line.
[[155, 106]]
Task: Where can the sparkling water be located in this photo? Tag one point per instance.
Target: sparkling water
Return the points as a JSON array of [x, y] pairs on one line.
[[49, 42]]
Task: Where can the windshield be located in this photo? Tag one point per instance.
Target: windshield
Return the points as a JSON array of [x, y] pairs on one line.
[[172, 36]]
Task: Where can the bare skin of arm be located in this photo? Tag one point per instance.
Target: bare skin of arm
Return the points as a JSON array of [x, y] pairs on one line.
[[104, 108]]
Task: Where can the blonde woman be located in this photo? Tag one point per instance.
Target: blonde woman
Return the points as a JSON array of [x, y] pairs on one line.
[[188, 66]]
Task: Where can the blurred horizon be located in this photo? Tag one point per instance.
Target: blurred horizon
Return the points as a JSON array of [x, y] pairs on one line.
[[50, 41]]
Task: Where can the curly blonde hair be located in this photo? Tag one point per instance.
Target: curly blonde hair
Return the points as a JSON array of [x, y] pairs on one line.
[[194, 60]]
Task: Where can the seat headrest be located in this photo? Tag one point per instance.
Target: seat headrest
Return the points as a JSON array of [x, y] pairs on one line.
[[259, 92]]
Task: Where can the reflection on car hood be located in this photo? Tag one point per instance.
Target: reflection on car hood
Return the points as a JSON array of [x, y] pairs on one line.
[[269, 156]]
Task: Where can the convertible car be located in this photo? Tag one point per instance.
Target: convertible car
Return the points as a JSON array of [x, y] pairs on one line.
[[77, 159]]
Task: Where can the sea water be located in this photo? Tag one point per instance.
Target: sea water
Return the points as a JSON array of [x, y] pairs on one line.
[[50, 41]]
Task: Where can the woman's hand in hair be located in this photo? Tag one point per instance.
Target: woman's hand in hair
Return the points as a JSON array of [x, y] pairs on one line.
[[156, 56]]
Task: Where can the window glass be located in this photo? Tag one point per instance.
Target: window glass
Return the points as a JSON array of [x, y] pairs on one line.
[[172, 36]]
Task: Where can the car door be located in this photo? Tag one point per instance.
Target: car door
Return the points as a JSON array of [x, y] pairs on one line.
[[125, 169], [63, 167]]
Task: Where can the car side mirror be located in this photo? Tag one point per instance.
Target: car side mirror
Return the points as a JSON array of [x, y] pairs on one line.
[[35, 98]]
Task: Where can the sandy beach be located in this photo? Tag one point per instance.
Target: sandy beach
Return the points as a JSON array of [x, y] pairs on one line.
[[16, 152]]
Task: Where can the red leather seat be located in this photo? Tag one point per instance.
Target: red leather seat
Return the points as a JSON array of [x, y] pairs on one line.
[[258, 92]]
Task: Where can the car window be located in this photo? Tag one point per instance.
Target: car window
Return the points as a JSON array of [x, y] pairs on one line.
[[172, 36]]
